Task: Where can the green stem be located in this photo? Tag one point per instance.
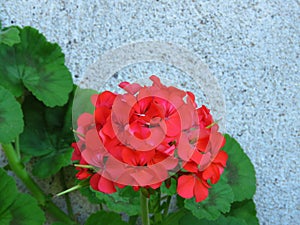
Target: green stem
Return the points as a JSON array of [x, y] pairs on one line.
[[17, 147], [78, 186], [19, 169], [144, 209]]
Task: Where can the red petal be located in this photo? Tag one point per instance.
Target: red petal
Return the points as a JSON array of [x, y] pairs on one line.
[[76, 155], [106, 186], [101, 114], [143, 176], [185, 187], [173, 125], [212, 172], [137, 158], [185, 150], [106, 98], [130, 88], [221, 158], [94, 181], [200, 191], [85, 119], [191, 167], [155, 186], [156, 81], [82, 174], [108, 129]]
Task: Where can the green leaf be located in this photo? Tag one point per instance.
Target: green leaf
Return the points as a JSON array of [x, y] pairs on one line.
[[174, 218], [17, 208], [46, 136], [239, 171], [11, 117], [10, 36], [8, 191], [189, 219], [245, 210], [90, 194], [6, 218], [118, 202], [26, 211], [35, 140], [37, 65], [52, 163], [219, 199], [109, 218], [169, 191]]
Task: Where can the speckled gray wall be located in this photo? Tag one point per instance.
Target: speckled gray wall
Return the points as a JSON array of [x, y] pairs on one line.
[[251, 47]]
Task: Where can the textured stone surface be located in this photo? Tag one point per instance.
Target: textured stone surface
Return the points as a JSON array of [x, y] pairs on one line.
[[250, 46]]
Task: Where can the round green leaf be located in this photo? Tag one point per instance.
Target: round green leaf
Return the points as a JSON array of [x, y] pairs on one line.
[[37, 65], [245, 210], [119, 201], [11, 117], [9, 36], [239, 171], [189, 219], [219, 199], [35, 140], [17, 208], [171, 190], [102, 217], [8, 191], [25, 211], [50, 164]]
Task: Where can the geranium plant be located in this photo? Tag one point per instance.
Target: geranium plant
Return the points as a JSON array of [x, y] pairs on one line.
[[150, 155]]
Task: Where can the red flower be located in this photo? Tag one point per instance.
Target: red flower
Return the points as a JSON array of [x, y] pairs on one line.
[[100, 183], [141, 137], [216, 168], [192, 185]]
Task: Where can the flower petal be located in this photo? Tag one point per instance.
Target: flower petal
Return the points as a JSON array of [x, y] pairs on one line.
[[94, 181], [200, 190], [185, 187], [106, 186]]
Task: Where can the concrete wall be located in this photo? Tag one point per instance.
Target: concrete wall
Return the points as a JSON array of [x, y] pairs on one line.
[[250, 46]]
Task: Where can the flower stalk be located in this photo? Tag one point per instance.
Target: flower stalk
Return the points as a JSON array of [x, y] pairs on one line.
[[144, 209], [19, 169]]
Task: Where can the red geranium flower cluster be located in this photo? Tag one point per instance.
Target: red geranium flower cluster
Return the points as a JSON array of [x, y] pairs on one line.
[[147, 135]]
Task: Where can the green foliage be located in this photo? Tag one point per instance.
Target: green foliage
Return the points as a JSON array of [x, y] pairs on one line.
[[48, 135], [11, 117], [52, 163], [171, 190], [17, 208], [218, 201], [244, 210], [90, 194], [120, 201], [10, 36], [36, 65], [240, 172], [175, 217], [189, 219], [101, 217]]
